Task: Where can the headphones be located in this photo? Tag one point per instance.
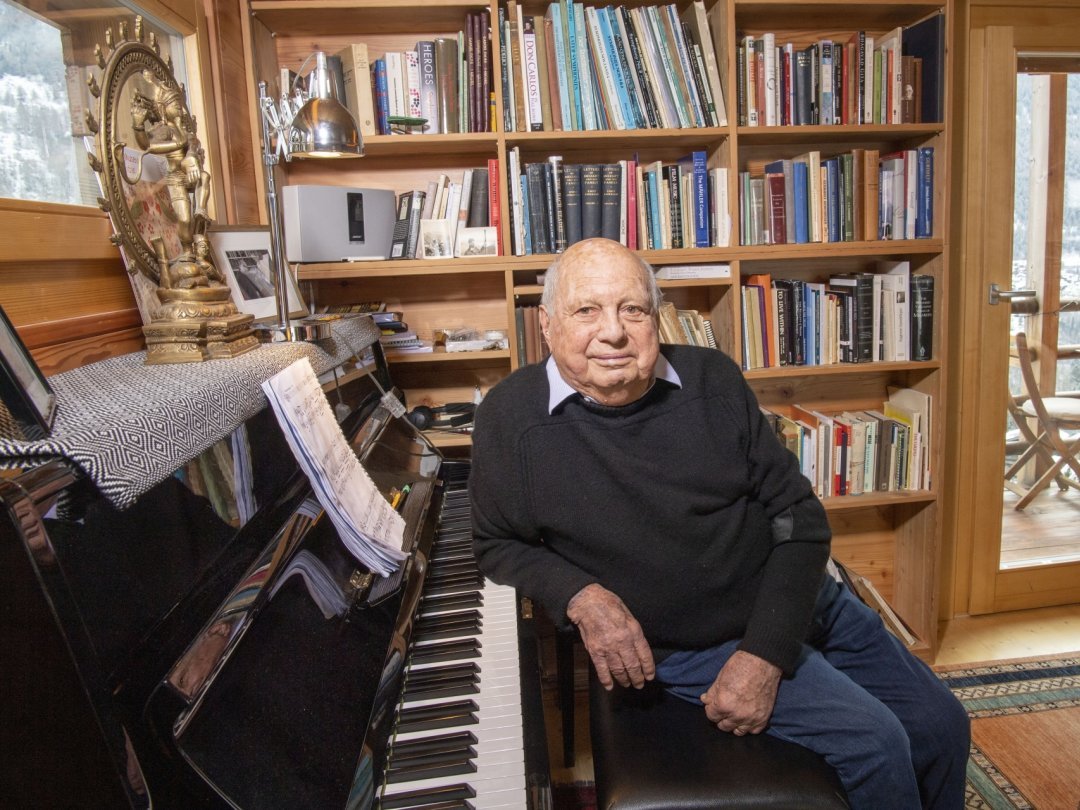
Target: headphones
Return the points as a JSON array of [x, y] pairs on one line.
[[443, 417]]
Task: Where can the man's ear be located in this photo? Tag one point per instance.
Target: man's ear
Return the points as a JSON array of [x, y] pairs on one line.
[[544, 321]]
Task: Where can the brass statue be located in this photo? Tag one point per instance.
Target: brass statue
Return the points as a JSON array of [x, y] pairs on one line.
[[194, 317]]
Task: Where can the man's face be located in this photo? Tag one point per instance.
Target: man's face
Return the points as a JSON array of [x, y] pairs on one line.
[[600, 330]]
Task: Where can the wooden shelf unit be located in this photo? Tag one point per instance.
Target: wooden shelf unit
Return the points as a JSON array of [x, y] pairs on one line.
[[893, 538]]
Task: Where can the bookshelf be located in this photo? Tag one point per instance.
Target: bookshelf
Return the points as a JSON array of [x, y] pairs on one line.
[[893, 538]]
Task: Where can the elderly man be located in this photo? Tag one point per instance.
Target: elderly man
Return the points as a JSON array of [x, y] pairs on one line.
[[635, 490]]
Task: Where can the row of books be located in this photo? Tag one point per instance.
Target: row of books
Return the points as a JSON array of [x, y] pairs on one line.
[[450, 212], [649, 206], [887, 315], [531, 345], [687, 327], [855, 452], [590, 68], [854, 196], [442, 85], [896, 78]]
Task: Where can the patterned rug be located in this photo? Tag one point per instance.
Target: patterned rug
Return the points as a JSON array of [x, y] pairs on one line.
[[1025, 724]]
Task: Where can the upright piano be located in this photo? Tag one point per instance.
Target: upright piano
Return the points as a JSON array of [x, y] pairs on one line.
[[173, 654]]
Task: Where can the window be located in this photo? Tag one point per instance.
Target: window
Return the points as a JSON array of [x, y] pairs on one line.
[[45, 59]]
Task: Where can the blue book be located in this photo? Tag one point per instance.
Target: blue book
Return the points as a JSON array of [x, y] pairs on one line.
[[924, 214], [561, 67], [825, 103], [832, 198], [654, 207], [696, 165], [586, 78], [382, 97], [569, 19], [809, 325], [624, 81], [800, 173]]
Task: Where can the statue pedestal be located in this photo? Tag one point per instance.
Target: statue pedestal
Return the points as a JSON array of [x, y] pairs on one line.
[[196, 325]]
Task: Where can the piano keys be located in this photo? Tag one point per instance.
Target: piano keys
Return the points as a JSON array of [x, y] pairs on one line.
[[203, 664]]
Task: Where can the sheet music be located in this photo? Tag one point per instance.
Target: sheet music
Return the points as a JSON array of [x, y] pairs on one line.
[[368, 526]]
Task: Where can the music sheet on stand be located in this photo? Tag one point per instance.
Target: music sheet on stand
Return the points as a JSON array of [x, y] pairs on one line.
[[367, 524]]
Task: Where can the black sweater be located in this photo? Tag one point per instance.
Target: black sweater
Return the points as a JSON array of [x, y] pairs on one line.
[[683, 503]]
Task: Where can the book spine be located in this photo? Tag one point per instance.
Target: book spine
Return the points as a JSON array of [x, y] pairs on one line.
[[558, 205], [551, 84], [639, 67], [566, 9], [356, 70], [591, 192], [505, 71], [486, 79], [526, 216], [531, 66], [495, 204], [701, 84], [571, 173], [610, 200], [922, 317], [446, 70], [562, 68], [585, 73], [924, 218], [382, 97], [635, 103], [479, 216], [534, 172], [412, 72], [429, 95]]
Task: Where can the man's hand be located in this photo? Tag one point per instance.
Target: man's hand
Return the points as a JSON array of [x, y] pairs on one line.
[[742, 697], [612, 636]]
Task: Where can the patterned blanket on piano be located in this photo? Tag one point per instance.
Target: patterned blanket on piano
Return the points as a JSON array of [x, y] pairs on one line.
[[128, 426]]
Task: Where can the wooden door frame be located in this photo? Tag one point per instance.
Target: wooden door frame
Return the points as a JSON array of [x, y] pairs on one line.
[[985, 250]]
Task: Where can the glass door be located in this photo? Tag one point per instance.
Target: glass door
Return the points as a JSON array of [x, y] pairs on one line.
[[1024, 244]]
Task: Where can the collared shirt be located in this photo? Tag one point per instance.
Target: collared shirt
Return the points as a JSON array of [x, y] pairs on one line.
[[559, 390]]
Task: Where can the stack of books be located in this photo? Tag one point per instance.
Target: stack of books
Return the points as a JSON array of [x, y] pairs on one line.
[[645, 206]]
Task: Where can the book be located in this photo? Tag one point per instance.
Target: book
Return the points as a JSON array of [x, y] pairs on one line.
[[356, 74], [864, 589], [478, 208], [382, 97], [922, 316], [531, 66], [591, 192], [698, 20], [407, 225], [676, 272], [537, 197], [925, 40], [610, 200], [446, 69], [924, 185]]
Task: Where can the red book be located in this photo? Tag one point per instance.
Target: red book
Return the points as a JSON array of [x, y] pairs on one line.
[[631, 205], [776, 208]]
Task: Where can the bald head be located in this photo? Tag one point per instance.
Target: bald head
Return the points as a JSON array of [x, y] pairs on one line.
[[599, 315]]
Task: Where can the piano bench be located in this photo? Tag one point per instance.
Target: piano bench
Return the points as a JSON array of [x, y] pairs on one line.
[[653, 751]]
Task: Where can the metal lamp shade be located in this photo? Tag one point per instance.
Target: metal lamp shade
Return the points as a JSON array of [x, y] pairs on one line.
[[325, 129]]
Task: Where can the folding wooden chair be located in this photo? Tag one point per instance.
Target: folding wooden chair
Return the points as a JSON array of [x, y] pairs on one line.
[[1046, 442]]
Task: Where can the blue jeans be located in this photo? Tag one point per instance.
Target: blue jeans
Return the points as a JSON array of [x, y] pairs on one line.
[[896, 736]]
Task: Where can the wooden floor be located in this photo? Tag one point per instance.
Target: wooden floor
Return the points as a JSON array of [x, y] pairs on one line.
[[1046, 531]]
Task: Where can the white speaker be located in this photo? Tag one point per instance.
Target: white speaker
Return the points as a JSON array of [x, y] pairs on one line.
[[335, 223]]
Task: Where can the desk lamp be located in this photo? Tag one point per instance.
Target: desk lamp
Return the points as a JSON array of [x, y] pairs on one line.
[[318, 127]]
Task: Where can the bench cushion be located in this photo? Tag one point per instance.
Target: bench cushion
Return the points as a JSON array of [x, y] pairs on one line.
[[653, 751]]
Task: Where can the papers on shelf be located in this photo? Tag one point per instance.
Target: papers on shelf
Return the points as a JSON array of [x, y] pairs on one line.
[[321, 586], [370, 529]]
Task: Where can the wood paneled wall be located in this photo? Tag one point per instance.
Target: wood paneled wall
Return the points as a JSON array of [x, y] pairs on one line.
[[62, 282]]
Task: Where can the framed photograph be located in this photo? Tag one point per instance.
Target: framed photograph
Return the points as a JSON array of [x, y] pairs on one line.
[[435, 239], [243, 256], [27, 402], [477, 242]]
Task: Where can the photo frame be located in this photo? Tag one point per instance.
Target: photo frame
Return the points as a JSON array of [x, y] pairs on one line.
[[483, 241], [436, 239], [242, 254], [27, 402]]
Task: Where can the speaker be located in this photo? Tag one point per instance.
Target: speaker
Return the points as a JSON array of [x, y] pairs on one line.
[[443, 417]]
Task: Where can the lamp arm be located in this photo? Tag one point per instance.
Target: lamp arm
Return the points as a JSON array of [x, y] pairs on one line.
[[277, 238]]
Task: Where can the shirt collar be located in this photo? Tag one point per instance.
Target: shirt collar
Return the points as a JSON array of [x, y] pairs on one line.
[[560, 390]]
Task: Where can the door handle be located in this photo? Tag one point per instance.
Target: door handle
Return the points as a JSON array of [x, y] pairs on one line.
[[997, 295]]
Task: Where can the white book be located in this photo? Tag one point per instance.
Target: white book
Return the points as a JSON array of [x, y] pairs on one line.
[[720, 217], [676, 272], [769, 64], [450, 210], [895, 285], [412, 76], [462, 213], [513, 78], [533, 104], [395, 84], [868, 84], [911, 192], [517, 231]]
